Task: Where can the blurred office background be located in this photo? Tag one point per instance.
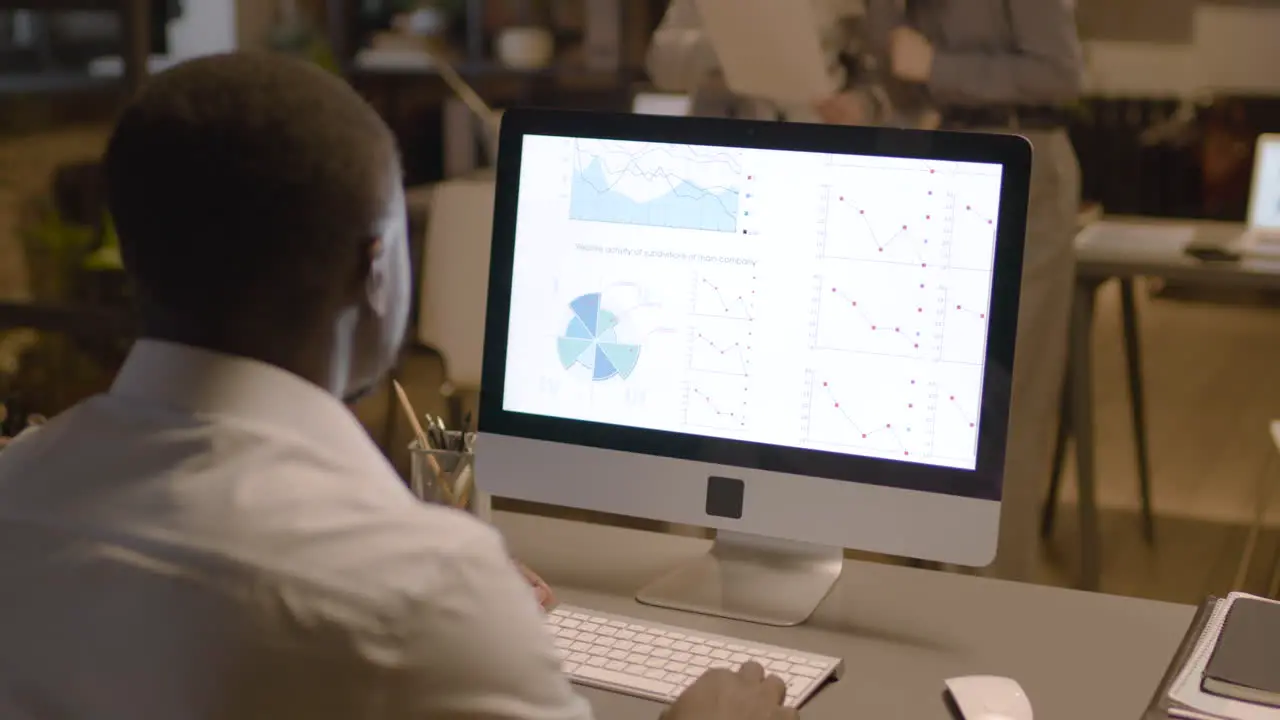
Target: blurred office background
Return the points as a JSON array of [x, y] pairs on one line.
[[1177, 92]]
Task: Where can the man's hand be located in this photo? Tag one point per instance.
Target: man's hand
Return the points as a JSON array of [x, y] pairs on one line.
[[541, 590], [910, 55], [723, 695], [843, 109]]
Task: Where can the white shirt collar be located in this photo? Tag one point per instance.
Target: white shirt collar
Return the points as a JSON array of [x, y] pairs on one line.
[[193, 380]]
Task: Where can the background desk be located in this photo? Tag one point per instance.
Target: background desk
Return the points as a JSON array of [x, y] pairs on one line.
[[901, 631], [1106, 257]]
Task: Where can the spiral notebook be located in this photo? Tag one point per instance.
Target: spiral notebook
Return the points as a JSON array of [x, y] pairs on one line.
[[1185, 698]]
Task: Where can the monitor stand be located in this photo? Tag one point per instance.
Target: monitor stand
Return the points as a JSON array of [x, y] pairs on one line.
[[752, 578]]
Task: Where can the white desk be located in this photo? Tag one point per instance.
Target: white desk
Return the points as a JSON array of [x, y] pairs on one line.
[[1097, 262], [901, 631]]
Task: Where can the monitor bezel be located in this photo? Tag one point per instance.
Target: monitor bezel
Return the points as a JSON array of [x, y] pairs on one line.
[[1012, 152]]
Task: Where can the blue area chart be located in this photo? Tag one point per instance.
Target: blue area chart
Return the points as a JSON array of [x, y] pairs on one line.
[[685, 205], [591, 341]]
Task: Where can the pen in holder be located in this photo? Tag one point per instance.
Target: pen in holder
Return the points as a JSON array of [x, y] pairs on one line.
[[446, 476]]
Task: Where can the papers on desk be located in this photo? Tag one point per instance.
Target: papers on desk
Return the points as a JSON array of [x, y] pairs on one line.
[[789, 69], [1189, 700], [1132, 239]]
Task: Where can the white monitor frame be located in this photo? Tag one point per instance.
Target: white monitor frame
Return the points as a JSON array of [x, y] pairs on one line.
[[796, 509]]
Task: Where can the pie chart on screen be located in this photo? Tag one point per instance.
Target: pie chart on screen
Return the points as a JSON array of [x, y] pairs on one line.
[[591, 341]]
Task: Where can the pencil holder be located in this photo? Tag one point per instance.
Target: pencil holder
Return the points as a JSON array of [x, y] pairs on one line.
[[447, 477]]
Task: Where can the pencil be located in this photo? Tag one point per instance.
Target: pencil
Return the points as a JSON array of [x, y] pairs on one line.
[[423, 444]]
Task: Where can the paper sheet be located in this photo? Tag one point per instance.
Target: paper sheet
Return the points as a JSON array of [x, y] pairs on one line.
[[1186, 689], [1116, 237], [769, 49]]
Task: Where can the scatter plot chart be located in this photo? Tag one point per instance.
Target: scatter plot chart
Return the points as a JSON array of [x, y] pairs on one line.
[[721, 347], [964, 318], [728, 295], [862, 225], [891, 312], [881, 410], [717, 402], [957, 416]]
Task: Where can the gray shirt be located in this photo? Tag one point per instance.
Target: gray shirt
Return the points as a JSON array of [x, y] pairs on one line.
[[991, 52]]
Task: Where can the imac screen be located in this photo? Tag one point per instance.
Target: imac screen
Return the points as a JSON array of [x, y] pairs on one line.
[[1264, 210], [805, 300]]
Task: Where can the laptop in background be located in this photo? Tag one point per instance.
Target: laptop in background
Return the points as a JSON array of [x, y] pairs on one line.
[[1262, 236], [659, 103]]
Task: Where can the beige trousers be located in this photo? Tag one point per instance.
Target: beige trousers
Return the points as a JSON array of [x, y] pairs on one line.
[[1048, 278]]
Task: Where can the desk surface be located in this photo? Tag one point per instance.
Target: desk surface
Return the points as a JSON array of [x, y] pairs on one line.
[[900, 631], [1102, 259]]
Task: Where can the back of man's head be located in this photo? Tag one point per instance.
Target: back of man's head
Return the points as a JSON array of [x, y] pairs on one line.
[[245, 189]]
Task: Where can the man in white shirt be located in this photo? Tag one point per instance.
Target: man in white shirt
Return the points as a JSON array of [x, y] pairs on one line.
[[217, 537]]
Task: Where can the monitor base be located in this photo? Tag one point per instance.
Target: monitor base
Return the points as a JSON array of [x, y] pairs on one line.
[[752, 578]]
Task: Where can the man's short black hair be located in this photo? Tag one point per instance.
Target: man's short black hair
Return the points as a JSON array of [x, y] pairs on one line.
[[242, 186]]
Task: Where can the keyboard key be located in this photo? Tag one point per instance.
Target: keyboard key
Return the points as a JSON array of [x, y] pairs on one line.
[[613, 677]]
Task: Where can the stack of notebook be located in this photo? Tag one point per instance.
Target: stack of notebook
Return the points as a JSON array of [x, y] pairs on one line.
[[1228, 666]]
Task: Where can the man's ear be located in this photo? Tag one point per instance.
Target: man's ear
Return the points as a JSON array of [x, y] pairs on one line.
[[373, 285]]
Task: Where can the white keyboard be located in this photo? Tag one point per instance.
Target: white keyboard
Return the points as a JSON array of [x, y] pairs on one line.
[[657, 662]]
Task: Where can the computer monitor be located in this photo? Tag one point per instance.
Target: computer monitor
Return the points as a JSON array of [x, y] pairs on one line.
[[1264, 196], [659, 103], [801, 336]]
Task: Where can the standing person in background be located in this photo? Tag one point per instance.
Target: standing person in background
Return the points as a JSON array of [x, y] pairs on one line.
[[681, 59], [993, 65], [1010, 66]]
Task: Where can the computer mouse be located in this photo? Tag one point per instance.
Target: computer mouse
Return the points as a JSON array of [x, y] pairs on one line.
[[988, 697]]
